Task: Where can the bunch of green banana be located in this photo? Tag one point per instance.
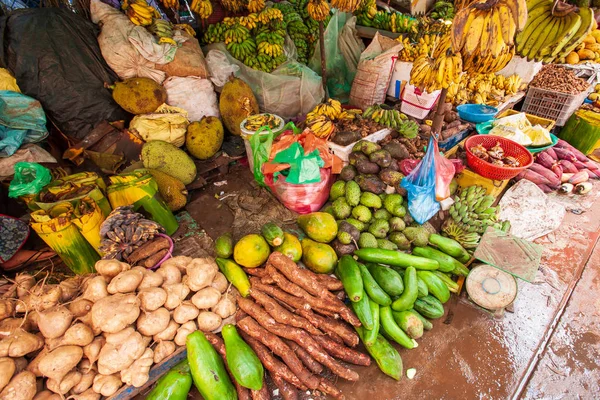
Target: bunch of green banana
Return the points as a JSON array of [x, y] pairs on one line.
[[242, 50], [161, 28], [214, 34], [393, 119], [443, 9], [236, 33]]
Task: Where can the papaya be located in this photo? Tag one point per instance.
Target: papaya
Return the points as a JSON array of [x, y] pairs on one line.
[[318, 257], [251, 251], [291, 247], [319, 226], [237, 103], [139, 95]]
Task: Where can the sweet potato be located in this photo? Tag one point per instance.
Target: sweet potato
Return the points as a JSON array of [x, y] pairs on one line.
[[54, 322], [94, 289], [70, 288], [206, 298], [78, 334], [220, 282], [152, 322], [208, 321], [47, 395], [106, 385], [201, 272], [92, 350], [114, 313], [57, 363], [21, 387], [7, 370], [34, 365], [152, 298], [126, 281], [137, 374], [11, 325], [176, 293], [163, 349], [111, 268], [86, 382], [183, 332], [24, 282], [66, 384], [170, 273], [151, 279], [225, 307], [185, 312], [120, 351], [181, 262], [87, 395], [167, 334], [80, 306], [7, 308], [20, 343]]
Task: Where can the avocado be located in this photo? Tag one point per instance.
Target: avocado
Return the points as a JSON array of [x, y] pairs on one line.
[[353, 158], [367, 167], [348, 173]]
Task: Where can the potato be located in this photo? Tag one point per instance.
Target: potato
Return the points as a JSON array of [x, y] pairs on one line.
[[170, 273], [94, 289], [126, 281], [20, 364], [114, 313], [120, 351], [7, 308], [92, 350], [225, 307], [183, 332], [152, 298], [34, 365], [24, 284], [208, 321], [151, 279], [78, 335], [139, 372], [87, 395], [11, 325], [152, 322], [31, 319], [201, 272], [111, 268], [20, 343], [80, 306], [220, 282], [47, 395], [106, 385], [185, 312], [54, 322], [69, 288], [21, 387], [67, 383], [163, 349], [206, 298], [176, 293], [87, 319], [181, 262], [8, 368], [168, 334], [86, 382], [57, 363]]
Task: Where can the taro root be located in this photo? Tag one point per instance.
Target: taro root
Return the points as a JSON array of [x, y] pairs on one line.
[[346, 138], [348, 173], [382, 157], [391, 177], [366, 167], [355, 157], [370, 183]]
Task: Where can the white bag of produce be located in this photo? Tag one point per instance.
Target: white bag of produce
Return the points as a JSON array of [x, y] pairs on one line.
[[289, 90], [167, 123], [114, 43], [400, 77], [520, 66], [195, 95], [374, 72]]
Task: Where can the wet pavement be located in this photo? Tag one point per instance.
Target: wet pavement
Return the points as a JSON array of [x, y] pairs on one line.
[[547, 348]]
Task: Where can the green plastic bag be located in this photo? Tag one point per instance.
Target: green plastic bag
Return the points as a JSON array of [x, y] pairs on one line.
[[29, 178], [261, 148]]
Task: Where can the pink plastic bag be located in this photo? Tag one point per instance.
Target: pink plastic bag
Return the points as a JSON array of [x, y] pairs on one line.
[[444, 172], [302, 199]]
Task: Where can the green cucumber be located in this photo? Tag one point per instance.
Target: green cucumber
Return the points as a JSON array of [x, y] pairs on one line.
[[429, 307], [396, 258], [272, 233], [389, 280], [174, 385], [427, 325], [452, 286], [409, 323], [375, 292], [422, 287], [450, 247], [391, 328], [410, 293], [242, 361], [362, 309], [371, 335], [460, 270], [349, 273], [234, 274], [435, 285], [385, 355], [208, 370], [446, 263], [224, 246]]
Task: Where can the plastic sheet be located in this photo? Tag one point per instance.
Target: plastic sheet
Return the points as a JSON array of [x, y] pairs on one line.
[[22, 120], [29, 179], [444, 172]]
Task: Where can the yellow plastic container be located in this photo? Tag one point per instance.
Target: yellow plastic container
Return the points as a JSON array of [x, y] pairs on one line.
[[469, 178]]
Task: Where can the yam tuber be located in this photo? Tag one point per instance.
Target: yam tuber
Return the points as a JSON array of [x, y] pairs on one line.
[[181, 262], [201, 272], [87, 395], [94, 289], [20, 343], [114, 313], [170, 273], [78, 334], [111, 268], [206, 298], [163, 349], [219, 345], [80, 306], [106, 385], [54, 322], [286, 390], [67, 383], [70, 288], [86, 382], [152, 298], [225, 307], [183, 332], [126, 281], [152, 322], [92, 350], [151, 279], [220, 282], [34, 365], [138, 373], [169, 333], [7, 308], [208, 321], [7, 370], [313, 365], [185, 312], [120, 351], [21, 387], [57, 363], [24, 282], [176, 293]]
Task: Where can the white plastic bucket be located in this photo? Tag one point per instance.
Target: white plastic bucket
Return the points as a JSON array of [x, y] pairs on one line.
[[247, 134]]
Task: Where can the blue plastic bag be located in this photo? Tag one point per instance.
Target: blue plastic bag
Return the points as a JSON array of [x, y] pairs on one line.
[[22, 120], [420, 185]]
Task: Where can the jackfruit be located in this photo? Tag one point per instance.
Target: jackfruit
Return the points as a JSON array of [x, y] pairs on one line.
[[169, 159], [139, 95], [171, 189], [236, 104], [204, 138]]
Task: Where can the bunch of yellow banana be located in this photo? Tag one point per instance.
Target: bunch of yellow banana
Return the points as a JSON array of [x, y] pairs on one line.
[[331, 109], [448, 68], [273, 50], [320, 125], [270, 14], [346, 5], [422, 72], [250, 21], [553, 30], [187, 28], [255, 6], [318, 10], [237, 34], [170, 4], [484, 33], [167, 40], [349, 114], [235, 6], [411, 51], [140, 12], [203, 8], [490, 89]]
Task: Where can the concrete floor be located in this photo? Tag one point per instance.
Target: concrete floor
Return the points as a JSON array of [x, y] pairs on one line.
[[548, 348]]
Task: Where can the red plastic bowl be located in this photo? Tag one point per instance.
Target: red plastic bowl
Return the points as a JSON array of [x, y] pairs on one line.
[[495, 172]]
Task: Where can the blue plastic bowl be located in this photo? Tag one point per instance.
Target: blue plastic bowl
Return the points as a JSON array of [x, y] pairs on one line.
[[476, 113]]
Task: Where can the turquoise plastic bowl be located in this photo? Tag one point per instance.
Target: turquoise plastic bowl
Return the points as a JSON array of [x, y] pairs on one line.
[[476, 113]]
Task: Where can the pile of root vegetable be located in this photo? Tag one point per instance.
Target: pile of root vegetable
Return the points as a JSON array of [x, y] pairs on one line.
[[89, 335], [298, 326]]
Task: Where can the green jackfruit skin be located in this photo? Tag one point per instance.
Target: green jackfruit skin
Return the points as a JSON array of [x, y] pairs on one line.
[[352, 193], [169, 159]]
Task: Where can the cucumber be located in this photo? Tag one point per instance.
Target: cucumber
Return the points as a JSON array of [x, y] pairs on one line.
[[242, 361], [427, 325], [174, 385], [389, 280], [450, 247], [410, 293], [375, 292], [362, 309], [224, 246], [371, 336], [391, 328], [422, 287], [208, 370], [396, 258], [349, 273], [446, 263], [452, 286], [429, 307], [234, 274], [409, 323], [460, 270], [435, 285], [272, 233], [385, 355]]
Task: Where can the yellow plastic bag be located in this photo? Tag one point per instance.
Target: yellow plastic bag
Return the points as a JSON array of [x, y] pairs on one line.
[[167, 123], [8, 82]]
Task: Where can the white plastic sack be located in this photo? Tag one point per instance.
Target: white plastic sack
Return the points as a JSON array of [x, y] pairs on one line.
[[195, 95], [146, 45], [374, 72], [114, 43], [520, 66], [351, 45], [220, 68]]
